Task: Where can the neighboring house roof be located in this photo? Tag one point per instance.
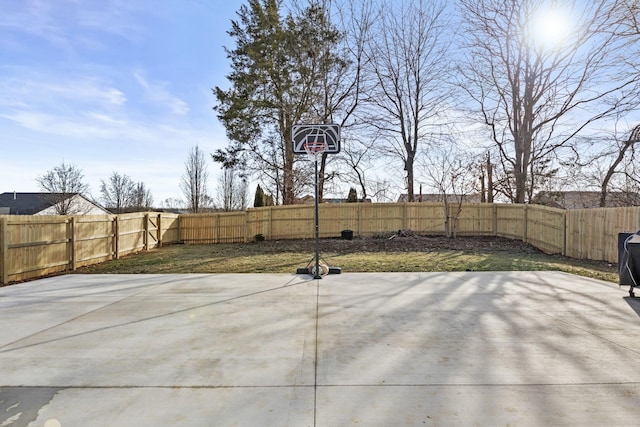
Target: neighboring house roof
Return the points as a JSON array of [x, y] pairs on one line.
[[41, 204], [585, 199], [309, 199], [342, 200], [23, 203], [439, 198]]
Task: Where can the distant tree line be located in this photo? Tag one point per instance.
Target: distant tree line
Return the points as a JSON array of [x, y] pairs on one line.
[[119, 193]]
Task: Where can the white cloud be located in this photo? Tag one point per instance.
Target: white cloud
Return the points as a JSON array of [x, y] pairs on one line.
[[32, 18], [157, 93], [89, 89], [36, 92], [91, 126], [47, 123], [71, 24]]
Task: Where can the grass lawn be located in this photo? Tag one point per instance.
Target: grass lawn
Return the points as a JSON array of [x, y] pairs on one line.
[[287, 256]]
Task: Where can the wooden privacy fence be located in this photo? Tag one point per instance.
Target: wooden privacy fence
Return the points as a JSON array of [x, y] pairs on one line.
[[593, 233], [541, 226], [584, 234], [35, 246]]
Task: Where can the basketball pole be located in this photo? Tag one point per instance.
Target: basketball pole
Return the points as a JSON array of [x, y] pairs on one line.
[[317, 274], [315, 140]]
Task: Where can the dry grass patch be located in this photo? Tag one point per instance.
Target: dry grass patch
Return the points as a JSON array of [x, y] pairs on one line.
[[359, 255]]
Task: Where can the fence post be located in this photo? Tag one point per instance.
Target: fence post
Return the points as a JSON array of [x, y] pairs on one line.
[[246, 225], [359, 220], [145, 239], [404, 216], [159, 231], [218, 240], [72, 242], [526, 224], [564, 233], [494, 220], [116, 236], [4, 246]]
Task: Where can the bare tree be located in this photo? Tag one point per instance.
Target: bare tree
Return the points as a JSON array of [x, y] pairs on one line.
[[633, 138], [357, 158], [385, 191], [409, 59], [142, 198], [61, 184], [117, 193], [172, 203], [341, 76], [611, 167], [453, 172], [629, 186], [629, 18], [232, 194], [194, 181], [622, 151], [536, 96]]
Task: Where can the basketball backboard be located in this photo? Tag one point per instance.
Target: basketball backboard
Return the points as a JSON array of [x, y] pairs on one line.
[[310, 134]]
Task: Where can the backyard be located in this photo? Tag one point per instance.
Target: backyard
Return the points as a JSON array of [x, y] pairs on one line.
[[391, 252]]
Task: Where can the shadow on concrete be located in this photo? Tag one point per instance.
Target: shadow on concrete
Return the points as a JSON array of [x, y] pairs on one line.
[[634, 303]]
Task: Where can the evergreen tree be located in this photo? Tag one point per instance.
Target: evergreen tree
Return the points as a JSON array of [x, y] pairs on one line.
[[276, 70], [259, 198], [353, 196]]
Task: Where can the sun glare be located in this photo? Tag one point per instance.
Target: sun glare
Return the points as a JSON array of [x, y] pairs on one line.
[[551, 26]]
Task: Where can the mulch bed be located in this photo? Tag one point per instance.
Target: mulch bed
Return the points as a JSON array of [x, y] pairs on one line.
[[403, 241]]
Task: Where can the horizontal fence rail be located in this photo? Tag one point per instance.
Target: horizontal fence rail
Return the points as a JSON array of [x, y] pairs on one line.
[[36, 246]]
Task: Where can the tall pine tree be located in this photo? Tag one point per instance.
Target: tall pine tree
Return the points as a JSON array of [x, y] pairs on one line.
[[258, 200], [276, 67]]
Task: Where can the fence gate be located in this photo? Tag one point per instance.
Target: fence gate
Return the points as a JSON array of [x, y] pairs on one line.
[[153, 234]]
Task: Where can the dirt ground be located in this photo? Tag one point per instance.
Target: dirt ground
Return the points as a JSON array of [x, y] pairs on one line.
[[405, 241]]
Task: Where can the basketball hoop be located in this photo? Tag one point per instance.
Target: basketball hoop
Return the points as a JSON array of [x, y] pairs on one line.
[[314, 141], [315, 149]]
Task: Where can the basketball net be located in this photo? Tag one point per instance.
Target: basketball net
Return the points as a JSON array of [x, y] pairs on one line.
[[315, 149]]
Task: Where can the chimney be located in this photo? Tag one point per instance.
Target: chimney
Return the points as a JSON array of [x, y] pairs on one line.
[[14, 195]]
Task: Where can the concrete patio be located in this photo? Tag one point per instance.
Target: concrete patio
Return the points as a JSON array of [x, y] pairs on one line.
[[405, 349]]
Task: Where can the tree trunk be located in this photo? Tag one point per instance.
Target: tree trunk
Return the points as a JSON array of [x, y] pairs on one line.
[[288, 194], [521, 185], [321, 177], [483, 188], [611, 171], [408, 166], [489, 180]]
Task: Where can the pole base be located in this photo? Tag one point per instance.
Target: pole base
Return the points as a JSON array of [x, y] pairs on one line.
[[306, 270]]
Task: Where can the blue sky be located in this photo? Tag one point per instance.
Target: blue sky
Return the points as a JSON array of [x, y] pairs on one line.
[[110, 86]]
